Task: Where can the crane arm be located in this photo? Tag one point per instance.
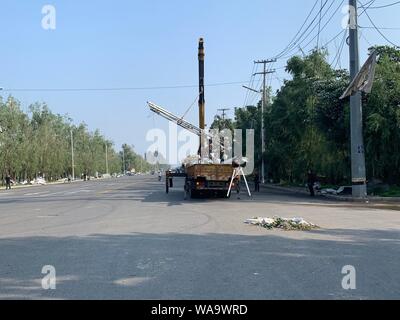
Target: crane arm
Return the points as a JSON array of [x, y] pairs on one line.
[[175, 119]]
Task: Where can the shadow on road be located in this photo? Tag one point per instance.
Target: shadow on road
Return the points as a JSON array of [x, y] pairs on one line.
[[209, 266]]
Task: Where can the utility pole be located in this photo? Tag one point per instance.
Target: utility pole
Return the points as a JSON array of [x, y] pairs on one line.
[[107, 159], [123, 160], [202, 102], [359, 180], [72, 156], [263, 106], [202, 113], [223, 110]]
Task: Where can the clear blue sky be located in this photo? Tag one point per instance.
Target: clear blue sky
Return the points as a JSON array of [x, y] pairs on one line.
[[103, 44]]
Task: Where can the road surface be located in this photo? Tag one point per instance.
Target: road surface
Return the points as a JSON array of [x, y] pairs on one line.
[[126, 239]]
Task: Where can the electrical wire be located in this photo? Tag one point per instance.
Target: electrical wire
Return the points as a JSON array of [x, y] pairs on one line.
[[250, 85], [323, 28], [340, 50], [379, 31], [365, 38], [319, 26], [385, 6], [381, 28], [295, 40], [326, 24], [117, 89], [191, 106], [365, 6], [302, 38]]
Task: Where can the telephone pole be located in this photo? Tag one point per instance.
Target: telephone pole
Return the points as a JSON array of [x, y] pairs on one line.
[[123, 160], [106, 158], [263, 106], [223, 112], [72, 156], [359, 180]]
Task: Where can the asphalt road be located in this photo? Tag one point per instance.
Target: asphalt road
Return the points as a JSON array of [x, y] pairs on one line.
[[127, 239]]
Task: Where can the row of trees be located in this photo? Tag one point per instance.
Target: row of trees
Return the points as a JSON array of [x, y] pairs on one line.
[[38, 143], [307, 126]]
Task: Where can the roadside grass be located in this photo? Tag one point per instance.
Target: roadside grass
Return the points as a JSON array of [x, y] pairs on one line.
[[394, 191]]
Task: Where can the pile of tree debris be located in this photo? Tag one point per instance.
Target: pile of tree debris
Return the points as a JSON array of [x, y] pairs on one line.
[[292, 224]]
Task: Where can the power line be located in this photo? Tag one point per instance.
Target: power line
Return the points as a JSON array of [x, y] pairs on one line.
[[381, 28], [366, 6], [379, 31], [319, 25], [117, 88], [251, 81], [301, 39], [384, 6], [323, 28], [298, 32], [340, 50], [365, 38], [333, 39], [295, 41], [326, 24]]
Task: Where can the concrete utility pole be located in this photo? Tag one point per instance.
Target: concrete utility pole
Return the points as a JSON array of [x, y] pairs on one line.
[[107, 159], [359, 180], [72, 156], [263, 106]]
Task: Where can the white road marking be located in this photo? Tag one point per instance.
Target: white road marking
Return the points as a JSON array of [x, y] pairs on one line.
[[77, 191], [64, 192], [36, 193]]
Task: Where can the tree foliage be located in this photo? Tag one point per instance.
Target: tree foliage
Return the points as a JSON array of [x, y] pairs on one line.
[[307, 126], [38, 143]]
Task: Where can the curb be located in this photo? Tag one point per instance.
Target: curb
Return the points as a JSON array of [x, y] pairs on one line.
[[18, 187], [334, 197]]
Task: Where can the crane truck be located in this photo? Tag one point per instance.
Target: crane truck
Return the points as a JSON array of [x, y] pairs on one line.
[[201, 179]]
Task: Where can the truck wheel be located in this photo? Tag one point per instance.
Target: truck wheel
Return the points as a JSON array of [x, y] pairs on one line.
[[193, 194]]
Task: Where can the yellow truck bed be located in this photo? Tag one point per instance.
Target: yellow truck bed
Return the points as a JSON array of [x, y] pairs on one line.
[[211, 172]]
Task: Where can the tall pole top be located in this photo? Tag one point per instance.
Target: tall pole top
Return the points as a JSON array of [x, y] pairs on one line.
[[201, 85], [201, 49]]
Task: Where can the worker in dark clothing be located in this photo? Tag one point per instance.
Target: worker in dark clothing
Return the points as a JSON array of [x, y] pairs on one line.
[[8, 182], [256, 182], [311, 179]]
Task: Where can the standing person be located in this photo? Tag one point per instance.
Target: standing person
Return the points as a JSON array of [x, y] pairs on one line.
[[8, 182], [311, 179], [256, 182]]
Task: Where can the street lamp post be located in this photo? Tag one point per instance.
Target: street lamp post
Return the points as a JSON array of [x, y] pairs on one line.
[[262, 128]]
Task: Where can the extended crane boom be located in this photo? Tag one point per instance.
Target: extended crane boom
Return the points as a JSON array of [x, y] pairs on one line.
[[175, 119]]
